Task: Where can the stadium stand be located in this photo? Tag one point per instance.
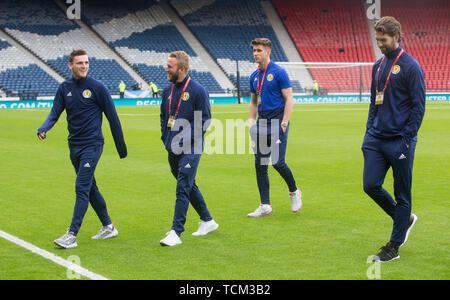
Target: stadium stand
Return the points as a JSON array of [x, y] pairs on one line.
[[142, 33], [330, 31], [226, 28], [19, 74], [426, 31], [44, 29], [144, 36]]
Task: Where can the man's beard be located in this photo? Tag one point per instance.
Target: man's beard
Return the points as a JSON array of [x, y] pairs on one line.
[[173, 77], [388, 49]]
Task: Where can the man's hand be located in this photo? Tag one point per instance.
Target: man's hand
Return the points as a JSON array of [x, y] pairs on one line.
[[289, 106], [284, 126], [251, 122], [41, 135]]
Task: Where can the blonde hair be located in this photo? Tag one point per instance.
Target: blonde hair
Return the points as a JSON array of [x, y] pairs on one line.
[[182, 59]]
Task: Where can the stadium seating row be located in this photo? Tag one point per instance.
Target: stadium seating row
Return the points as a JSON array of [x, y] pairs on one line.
[[44, 29], [237, 23], [330, 31], [143, 35], [425, 27], [337, 31], [19, 74]]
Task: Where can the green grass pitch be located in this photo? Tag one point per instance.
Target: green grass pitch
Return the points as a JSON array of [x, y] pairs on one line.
[[338, 228]]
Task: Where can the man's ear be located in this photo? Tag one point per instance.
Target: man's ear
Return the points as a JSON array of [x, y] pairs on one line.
[[396, 37]]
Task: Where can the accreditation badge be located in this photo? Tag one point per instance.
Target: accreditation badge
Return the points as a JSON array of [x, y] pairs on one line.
[[258, 98], [379, 98], [171, 121]]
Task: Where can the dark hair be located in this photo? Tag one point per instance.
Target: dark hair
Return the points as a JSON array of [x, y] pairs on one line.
[[390, 26], [262, 41], [76, 53]]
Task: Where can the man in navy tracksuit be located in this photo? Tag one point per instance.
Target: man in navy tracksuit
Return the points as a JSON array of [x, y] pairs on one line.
[[85, 99], [185, 114], [396, 111]]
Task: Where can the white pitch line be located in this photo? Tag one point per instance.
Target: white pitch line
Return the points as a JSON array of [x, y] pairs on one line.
[[50, 256]]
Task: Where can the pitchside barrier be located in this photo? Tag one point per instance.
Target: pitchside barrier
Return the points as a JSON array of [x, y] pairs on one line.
[[219, 100]]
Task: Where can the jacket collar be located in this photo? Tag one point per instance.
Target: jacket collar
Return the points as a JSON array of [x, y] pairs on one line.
[[79, 80], [182, 83]]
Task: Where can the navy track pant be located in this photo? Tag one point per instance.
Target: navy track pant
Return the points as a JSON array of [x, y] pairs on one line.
[[270, 146], [184, 168], [379, 156], [84, 160]]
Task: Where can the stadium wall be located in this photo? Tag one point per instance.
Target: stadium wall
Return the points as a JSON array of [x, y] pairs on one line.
[[218, 100]]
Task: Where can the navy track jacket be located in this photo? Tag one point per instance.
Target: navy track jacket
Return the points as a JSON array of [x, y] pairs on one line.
[[403, 108], [85, 100], [195, 102]]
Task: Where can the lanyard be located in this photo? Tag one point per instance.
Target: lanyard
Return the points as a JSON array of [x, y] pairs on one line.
[[390, 72], [181, 97], [258, 88]]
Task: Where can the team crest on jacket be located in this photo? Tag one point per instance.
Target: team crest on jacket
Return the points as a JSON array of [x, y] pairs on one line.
[[185, 96], [396, 69], [87, 93], [270, 77]]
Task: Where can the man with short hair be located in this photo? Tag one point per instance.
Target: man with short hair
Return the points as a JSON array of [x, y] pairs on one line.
[[85, 99], [272, 101], [185, 114], [397, 107]]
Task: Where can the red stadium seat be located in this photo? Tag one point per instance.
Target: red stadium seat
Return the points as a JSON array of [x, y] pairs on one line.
[[320, 28], [425, 27], [330, 31]]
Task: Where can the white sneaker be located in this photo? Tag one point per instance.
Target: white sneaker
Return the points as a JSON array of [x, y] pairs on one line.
[[296, 201], [262, 211], [171, 239], [206, 227], [106, 232], [68, 240]]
